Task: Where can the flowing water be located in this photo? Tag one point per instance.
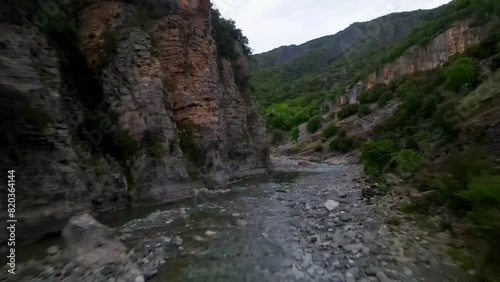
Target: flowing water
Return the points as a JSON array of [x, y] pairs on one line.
[[276, 228]]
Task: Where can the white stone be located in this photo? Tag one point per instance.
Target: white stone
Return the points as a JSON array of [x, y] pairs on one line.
[[331, 205], [53, 250], [210, 233]]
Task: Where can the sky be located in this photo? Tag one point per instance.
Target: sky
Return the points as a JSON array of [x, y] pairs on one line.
[[269, 24]]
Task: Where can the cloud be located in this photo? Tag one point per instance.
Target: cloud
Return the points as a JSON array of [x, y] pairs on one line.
[[269, 24]]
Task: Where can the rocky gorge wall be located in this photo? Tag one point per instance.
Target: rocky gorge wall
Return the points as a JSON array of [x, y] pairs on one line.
[[455, 40], [138, 110]]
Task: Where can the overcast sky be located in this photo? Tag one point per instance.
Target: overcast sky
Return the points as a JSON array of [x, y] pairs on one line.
[[269, 24]]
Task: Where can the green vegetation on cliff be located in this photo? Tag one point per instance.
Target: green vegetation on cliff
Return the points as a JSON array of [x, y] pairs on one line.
[[300, 78]]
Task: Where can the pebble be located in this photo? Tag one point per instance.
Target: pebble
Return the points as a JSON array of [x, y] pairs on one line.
[[331, 205], [53, 250], [210, 233], [241, 223]]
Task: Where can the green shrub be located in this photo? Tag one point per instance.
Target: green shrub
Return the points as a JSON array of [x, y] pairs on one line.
[[294, 134], [372, 95], [330, 131], [153, 141], [384, 99], [348, 111], [342, 132], [459, 170], [314, 124], [37, 117], [188, 145], [225, 34], [342, 144], [124, 144], [446, 121], [461, 72], [429, 106], [364, 110], [376, 155], [408, 162]]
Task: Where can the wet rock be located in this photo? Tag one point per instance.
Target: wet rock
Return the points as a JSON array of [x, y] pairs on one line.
[[354, 247], [241, 223], [314, 239], [236, 214], [139, 278], [52, 250], [210, 233], [345, 218], [90, 243], [331, 205], [368, 238], [199, 239]]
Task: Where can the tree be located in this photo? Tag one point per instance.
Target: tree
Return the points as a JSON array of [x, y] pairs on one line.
[[342, 144], [364, 110], [376, 156], [408, 162], [330, 131], [462, 72], [348, 111], [314, 124]]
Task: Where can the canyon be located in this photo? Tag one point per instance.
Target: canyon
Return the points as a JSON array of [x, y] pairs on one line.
[[110, 104]]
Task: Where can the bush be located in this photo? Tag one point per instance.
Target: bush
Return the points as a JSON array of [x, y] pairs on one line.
[[461, 72], [348, 111], [330, 131], [318, 148], [314, 124], [408, 162], [294, 134], [342, 144], [460, 169], [372, 95], [342, 132], [125, 145], [384, 99], [188, 145], [364, 110], [446, 122], [376, 156]]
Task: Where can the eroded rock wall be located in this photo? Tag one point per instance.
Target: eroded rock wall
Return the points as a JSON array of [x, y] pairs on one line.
[[454, 40], [101, 127]]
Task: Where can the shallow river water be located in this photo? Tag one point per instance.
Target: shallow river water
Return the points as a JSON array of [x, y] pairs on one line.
[[277, 228]]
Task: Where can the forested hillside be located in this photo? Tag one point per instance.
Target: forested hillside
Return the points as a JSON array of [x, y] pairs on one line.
[[292, 91], [432, 123]]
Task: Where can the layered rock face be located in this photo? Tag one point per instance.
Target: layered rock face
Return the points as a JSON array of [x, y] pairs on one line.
[[122, 118], [454, 40]]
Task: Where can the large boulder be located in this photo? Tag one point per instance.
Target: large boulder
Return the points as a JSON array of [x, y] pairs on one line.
[[89, 243]]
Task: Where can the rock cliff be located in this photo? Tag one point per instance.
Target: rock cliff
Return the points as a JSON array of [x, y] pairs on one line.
[[452, 41], [107, 104]]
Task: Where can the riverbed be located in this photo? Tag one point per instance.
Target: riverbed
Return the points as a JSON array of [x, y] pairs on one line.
[[276, 228]]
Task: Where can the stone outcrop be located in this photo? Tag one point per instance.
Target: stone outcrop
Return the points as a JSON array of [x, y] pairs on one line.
[[89, 243], [100, 122], [454, 40]]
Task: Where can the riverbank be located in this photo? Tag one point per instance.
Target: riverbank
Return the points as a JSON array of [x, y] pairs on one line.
[[277, 228]]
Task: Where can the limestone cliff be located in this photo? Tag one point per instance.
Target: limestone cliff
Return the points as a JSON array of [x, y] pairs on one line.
[[120, 103], [452, 41]]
